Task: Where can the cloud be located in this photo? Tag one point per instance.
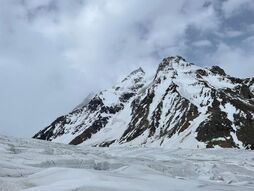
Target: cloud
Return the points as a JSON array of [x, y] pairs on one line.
[[55, 52], [202, 43], [234, 7], [234, 60]]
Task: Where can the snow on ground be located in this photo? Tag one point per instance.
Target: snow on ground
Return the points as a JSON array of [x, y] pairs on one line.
[[34, 165]]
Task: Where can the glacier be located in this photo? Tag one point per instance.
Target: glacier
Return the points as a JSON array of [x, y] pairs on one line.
[[36, 165]]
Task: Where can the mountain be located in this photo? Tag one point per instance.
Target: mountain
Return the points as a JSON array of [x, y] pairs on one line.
[[183, 105]]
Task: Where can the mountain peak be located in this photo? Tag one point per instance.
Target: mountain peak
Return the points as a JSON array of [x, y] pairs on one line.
[[136, 75], [139, 70], [173, 61], [171, 65]]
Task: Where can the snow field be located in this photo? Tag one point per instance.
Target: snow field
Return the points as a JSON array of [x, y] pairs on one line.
[[34, 165]]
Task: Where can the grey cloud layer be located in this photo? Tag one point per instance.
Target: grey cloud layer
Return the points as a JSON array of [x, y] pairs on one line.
[[54, 52]]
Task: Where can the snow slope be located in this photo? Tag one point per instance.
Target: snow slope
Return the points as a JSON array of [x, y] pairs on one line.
[[35, 165]]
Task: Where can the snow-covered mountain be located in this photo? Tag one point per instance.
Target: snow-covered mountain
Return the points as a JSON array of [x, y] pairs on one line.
[[183, 105]]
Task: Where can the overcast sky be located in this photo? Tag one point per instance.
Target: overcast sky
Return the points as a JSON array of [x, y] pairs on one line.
[[54, 52]]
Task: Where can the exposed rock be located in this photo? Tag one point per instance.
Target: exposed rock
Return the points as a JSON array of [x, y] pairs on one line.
[[218, 70]]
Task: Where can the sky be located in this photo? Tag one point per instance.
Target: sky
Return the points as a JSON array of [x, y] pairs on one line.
[[55, 52]]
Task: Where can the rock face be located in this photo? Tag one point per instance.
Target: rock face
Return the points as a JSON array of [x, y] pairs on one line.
[[182, 106]]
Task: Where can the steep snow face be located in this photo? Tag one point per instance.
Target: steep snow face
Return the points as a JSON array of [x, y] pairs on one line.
[[34, 165], [184, 106]]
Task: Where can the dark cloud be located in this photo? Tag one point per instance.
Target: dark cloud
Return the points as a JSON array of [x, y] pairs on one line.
[[54, 52]]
